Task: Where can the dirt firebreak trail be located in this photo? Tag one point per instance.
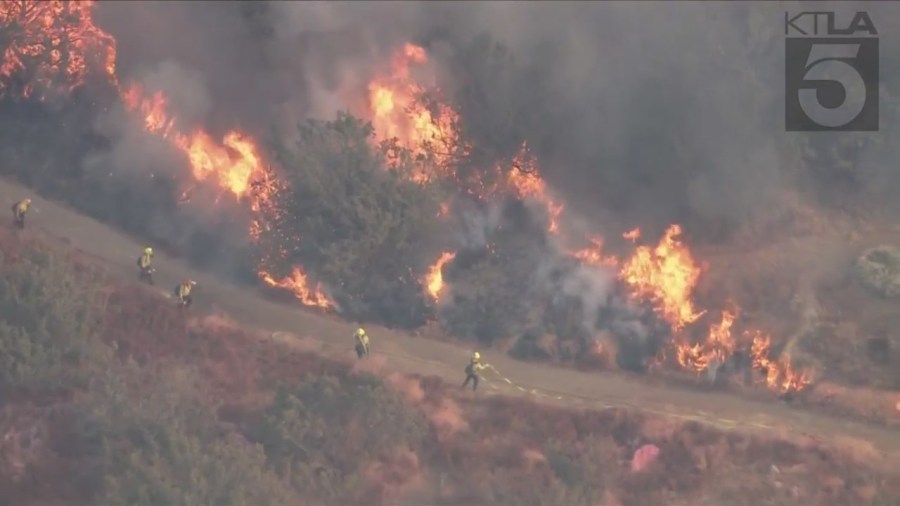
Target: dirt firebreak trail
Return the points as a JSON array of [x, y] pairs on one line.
[[295, 326]]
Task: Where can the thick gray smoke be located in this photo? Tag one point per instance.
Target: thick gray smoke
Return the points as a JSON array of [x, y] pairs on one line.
[[640, 113], [661, 112]]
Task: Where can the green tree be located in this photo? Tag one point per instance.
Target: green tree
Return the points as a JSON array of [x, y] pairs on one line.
[[361, 228]]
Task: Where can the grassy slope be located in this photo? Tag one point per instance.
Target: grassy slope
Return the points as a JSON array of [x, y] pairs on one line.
[[197, 410]]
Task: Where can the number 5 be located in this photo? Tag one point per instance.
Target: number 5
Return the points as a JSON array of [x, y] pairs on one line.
[[823, 65]]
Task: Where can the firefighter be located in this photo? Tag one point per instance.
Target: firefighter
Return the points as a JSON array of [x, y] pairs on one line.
[[183, 292], [475, 366], [362, 343], [19, 209], [145, 263]]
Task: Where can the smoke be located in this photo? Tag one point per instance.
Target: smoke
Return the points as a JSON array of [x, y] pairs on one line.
[[663, 112], [593, 287], [640, 113], [185, 89], [476, 223]]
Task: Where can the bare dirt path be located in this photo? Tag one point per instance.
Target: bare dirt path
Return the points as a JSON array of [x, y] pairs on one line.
[[408, 354]]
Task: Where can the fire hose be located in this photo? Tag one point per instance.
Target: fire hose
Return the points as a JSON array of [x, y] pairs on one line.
[[576, 399], [516, 385]]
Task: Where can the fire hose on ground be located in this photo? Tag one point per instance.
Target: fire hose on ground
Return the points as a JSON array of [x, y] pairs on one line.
[[578, 400]]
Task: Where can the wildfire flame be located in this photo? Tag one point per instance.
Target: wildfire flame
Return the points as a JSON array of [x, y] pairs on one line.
[[233, 164], [434, 280], [298, 284], [50, 44], [398, 111], [666, 275], [718, 346], [526, 183], [779, 374], [236, 166]]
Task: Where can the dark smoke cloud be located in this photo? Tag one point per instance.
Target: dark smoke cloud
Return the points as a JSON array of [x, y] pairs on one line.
[[674, 110], [649, 113]]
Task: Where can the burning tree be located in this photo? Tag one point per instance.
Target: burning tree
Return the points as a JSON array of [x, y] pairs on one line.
[[355, 224]]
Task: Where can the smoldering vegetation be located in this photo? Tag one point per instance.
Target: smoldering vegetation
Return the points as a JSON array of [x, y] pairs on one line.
[[640, 114]]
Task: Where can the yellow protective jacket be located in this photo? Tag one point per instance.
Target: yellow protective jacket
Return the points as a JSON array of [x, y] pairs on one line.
[[363, 339], [475, 367], [22, 207], [145, 261], [184, 289]]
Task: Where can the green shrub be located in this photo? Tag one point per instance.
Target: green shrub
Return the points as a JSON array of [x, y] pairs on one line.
[[319, 433], [48, 321], [154, 440]]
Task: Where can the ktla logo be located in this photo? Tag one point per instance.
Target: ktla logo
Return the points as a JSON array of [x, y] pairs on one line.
[[831, 73]]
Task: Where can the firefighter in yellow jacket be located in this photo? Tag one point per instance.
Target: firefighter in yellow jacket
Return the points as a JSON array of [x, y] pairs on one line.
[[472, 371], [362, 343], [183, 292], [19, 209], [145, 263]]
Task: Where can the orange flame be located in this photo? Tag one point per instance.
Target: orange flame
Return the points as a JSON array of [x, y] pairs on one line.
[[234, 163], [526, 183], [434, 280], [666, 275], [398, 112], [779, 374], [718, 346], [298, 284], [49, 44]]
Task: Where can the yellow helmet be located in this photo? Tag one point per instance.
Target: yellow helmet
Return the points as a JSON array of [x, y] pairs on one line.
[[476, 356], [148, 250], [360, 332]]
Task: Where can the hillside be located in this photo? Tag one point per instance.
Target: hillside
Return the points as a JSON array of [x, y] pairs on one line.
[[108, 383]]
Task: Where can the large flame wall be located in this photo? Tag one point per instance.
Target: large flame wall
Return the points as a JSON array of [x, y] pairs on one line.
[[54, 45]]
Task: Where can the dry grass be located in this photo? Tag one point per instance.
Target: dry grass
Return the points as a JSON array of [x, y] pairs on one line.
[[494, 450]]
